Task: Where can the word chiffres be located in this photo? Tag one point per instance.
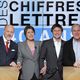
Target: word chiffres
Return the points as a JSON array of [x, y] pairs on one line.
[[38, 13]]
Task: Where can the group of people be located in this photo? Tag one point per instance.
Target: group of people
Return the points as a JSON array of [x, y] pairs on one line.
[[35, 58]]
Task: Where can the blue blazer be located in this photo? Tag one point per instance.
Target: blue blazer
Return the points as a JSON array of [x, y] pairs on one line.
[[7, 57]]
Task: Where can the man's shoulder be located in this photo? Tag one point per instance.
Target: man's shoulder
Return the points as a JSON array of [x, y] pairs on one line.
[[68, 43], [47, 42], [1, 37]]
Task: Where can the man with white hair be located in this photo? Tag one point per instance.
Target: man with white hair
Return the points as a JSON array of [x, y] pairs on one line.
[[71, 49]]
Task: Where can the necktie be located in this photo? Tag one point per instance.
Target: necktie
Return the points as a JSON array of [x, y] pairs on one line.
[[7, 46]]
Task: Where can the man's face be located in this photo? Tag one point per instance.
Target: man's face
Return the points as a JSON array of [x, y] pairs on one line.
[[76, 32], [8, 32], [57, 32]]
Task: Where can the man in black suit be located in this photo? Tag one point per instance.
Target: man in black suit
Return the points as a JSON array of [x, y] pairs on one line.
[[8, 48], [51, 51], [71, 50]]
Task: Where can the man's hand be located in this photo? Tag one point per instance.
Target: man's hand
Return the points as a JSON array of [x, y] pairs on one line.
[[19, 65], [43, 70], [77, 64], [13, 64]]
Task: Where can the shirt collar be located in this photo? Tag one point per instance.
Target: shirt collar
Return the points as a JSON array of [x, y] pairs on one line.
[[5, 40], [56, 40]]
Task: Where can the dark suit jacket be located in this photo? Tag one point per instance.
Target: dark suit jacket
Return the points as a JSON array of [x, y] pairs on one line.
[[68, 53], [54, 64], [7, 58]]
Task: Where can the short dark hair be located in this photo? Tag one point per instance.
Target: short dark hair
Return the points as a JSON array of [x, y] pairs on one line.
[[28, 27], [56, 25]]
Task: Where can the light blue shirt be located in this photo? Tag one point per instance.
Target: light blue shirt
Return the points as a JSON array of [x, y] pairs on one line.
[[76, 48]]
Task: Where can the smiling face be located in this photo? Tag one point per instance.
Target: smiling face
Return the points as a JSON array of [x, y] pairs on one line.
[[76, 32], [30, 34], [57, 32], [8, 32]]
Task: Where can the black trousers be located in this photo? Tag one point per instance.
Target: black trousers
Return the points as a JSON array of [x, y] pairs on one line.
[[34, 77]]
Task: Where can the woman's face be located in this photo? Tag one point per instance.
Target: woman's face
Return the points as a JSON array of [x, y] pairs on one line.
[[30, 34]]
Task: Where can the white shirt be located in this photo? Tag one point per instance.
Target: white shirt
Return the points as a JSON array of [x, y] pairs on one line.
[[76, 48], [6, 41], [57, 46]]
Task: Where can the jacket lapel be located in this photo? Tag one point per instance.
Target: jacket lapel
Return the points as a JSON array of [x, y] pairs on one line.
[[36, 51], [61, 49], [27, 50]]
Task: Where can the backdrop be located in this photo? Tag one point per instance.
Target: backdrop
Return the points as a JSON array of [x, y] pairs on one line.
[[41, 14]]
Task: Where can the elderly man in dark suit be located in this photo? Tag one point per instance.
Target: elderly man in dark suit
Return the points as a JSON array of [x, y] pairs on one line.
[[51, 51], [8, 48], [71, 50]]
